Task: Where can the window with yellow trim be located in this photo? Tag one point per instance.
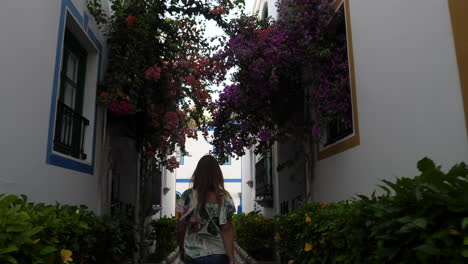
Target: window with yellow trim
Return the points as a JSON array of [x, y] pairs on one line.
[[459, 15], [342, 133]]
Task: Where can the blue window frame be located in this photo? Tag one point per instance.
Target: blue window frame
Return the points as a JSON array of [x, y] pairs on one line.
[[180, 158], [52, 158], [229, 160]]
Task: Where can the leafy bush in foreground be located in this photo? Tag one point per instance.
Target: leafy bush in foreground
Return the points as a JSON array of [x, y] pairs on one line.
[[164, 234], [418, 220], [254, 233], [39, 233]]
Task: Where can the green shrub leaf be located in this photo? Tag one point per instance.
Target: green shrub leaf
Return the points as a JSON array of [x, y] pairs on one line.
[[465, 253], [47, 250], [420, 222], [10, 259], [9, 249], [464, 223], [428, 249], [426, 164]]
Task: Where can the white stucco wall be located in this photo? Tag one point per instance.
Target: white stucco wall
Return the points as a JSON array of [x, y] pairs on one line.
[[272, 9], [248, 174], [168, 200], [237, 171], [408, 94], [30, 30]]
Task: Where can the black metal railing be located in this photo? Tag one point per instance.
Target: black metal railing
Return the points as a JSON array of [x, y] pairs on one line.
[[284, 207], [119, 208], [70, 130], [337, 130], [264, 179]]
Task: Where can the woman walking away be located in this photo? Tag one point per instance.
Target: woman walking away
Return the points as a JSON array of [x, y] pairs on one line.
[[204, 230]]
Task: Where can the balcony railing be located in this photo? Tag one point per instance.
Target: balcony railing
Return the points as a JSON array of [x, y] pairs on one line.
[[337, 130], [119, 208], [70, 130], [263, 181]]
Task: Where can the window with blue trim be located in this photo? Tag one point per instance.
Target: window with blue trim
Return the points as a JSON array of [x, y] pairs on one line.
[[71, 136], [180, 158], [70, 125], [228, 160]]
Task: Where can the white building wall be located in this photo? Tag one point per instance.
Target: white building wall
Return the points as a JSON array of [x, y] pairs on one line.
[[408, 94], [28, 46], [248, 181], [236, 174], [168, 200], [272, 9]]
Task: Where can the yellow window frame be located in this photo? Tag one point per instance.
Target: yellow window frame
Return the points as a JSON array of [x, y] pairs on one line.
[[459, 16], [353, 140]]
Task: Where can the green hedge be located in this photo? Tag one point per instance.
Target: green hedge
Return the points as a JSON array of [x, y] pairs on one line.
[[253, 232], [419, 220], [164, 234], [39, 233]]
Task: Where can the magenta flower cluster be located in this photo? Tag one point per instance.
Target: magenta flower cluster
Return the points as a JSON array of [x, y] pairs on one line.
[[172, 164], [271, 59], [121, 107]]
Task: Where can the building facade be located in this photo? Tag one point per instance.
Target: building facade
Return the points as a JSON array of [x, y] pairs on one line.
[[408, 68], [58, 144], [52, 56]]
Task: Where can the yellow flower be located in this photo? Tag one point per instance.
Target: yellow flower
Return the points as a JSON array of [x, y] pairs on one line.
[[267, 245], [66, 255], [350, 202], [308, 247], [322, 241], [291, 261], [308, 219], [36, 241], [277, 237]]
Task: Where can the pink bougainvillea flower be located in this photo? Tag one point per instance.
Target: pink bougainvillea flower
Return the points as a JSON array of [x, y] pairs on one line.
[[172, 164], [153, 73], [218, 10], [130, 20], [172, 121], [264, 134], [121, 107], [149, 73], [316, 132]]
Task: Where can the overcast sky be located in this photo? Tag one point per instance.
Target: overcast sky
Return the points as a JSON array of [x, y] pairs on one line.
[[213, 30]]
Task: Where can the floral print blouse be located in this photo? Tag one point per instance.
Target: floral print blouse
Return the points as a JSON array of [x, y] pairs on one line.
[[203, 230]]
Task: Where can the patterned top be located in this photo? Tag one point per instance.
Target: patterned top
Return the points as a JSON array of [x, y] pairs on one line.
[[203, 231]]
